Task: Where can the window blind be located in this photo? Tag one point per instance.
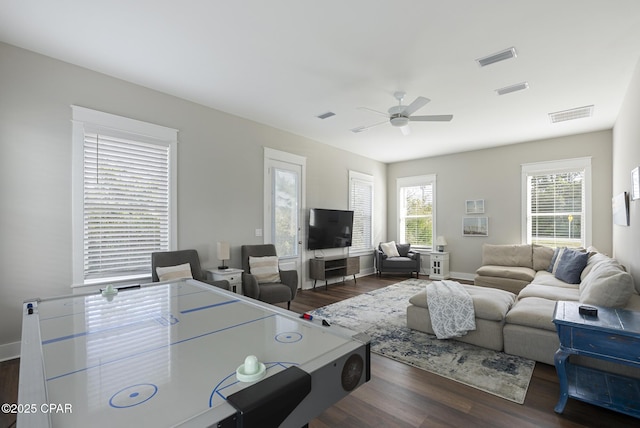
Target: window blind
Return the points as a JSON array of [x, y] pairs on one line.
[[416, 214], [556, 208], [362, 205], [126, 205]]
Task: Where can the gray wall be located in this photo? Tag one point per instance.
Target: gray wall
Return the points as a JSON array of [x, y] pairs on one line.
[[494, 175], [220, 174], [626, 156]]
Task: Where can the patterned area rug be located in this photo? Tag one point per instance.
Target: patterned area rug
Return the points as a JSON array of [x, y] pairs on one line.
[[382, 315]]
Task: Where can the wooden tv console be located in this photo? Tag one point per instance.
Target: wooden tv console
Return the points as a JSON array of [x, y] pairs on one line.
[[322, 268]]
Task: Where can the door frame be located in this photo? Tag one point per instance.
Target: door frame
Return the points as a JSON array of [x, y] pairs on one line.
[[301, 161]]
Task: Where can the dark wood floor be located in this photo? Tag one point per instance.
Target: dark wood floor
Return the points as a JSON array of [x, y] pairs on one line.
[[403, 396]]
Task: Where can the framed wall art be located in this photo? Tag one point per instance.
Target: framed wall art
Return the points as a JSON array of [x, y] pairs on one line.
[[635, 183], [475, 206], [620, 207], [475, 226]]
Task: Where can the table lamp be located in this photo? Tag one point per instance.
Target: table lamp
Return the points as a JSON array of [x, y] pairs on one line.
[[440, 243], [223, 253]]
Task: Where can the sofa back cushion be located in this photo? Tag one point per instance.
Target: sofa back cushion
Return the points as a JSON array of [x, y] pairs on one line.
[[607, 284], [507, 255], [541, 257]]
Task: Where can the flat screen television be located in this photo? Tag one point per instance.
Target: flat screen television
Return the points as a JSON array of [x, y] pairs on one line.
[[329, 228]]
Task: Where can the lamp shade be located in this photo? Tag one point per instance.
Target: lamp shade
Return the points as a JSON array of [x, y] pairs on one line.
[[441, 241], [223, 250]]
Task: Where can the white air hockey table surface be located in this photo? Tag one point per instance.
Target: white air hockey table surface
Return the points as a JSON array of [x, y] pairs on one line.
[[166, 354]]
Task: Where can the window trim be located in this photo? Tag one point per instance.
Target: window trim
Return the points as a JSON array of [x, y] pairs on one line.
[[367, 179], [416, 181], [85, 118], [549, 167]]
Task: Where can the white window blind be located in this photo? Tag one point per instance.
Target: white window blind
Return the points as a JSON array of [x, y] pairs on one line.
[[416, 210], [127, 203], [361, 203], [556, 203]]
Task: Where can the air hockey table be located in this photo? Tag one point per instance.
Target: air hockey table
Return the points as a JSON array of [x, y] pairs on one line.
[[167, 354]]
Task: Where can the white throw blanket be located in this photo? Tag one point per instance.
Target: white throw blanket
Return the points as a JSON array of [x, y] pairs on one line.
[[451, 309]]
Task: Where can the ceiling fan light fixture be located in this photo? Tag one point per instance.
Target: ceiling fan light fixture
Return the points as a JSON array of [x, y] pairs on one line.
[[400, 121], [497, 57]]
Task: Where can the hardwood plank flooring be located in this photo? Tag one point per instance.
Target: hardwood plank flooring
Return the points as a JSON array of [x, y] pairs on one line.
[[402, 396]]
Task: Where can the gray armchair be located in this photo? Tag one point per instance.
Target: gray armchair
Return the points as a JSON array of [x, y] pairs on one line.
[[409, 261], [174, 258], [271, 292]]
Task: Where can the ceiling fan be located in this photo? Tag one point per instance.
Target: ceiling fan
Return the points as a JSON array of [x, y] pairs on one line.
[[400, 115]]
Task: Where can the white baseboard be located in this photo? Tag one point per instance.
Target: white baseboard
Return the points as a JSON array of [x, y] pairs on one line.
[[463, 275], [9, 351]]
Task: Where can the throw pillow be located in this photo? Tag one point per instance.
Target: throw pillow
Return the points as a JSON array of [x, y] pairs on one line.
[[555, 259], [265, 269], [403, 249], [571, 264], [169, 273], [390, 249]]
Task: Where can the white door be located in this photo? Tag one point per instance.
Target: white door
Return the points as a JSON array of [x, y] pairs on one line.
[[284, 207]]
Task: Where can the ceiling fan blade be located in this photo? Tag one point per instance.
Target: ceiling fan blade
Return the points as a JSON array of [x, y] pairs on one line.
[[373, 111], [364, 128], [432, 118], [405, 130], [415, 105]]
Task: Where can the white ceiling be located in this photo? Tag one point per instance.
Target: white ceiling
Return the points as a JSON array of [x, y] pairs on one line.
[[283, 62]]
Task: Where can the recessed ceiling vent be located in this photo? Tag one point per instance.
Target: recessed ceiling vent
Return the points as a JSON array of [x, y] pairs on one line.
[[575, 113], [326, 115], [513, 88], [497, 57]]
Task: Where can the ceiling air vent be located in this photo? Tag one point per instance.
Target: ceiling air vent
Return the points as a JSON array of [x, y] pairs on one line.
[[575, 113], [326, 115], [497, 57], [513, 88]]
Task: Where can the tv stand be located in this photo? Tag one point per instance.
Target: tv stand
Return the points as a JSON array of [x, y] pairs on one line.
[[330, 267]]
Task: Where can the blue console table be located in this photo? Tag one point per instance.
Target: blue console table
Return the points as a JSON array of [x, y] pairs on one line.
[[612, 335]]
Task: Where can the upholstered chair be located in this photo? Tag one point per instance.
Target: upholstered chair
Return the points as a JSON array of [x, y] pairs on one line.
[[403, 260], [262, 278], [166, 259]]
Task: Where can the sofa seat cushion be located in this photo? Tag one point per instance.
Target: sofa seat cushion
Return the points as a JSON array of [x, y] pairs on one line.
[[547, 278], [550, 292], [400, 262], [507, 255], [489, 303], [534, 312], [511, 272]]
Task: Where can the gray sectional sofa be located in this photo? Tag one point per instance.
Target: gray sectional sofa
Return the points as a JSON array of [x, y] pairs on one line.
[[527, 271]]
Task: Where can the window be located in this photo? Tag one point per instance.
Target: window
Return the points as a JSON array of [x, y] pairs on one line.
[[361, 203], [123, 196], [416, 210], [557, 203]]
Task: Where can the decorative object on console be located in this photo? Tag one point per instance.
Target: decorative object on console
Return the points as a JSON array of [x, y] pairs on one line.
[[441, 243], [474, 206], [223, 253], [475, 226], [635, 183]]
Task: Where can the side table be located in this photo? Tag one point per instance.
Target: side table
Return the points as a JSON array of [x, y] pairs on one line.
[[439, 263], [613, 335], [233, 275]]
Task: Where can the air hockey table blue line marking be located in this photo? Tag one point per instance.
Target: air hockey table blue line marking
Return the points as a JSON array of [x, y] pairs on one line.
[[186, 311], [123, 326], [137, 354], [175, 293], [218, 391]]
